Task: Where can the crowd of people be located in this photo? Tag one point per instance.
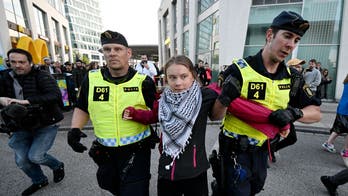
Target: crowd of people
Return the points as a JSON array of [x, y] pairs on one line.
[[122, 103], [204, 72], [316, 77]]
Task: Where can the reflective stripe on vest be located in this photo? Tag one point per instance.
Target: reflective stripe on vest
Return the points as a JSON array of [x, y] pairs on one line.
[[106, 102], [273, 94]]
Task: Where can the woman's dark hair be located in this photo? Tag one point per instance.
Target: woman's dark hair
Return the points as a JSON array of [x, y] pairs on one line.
[[181, 60], [20, 51]]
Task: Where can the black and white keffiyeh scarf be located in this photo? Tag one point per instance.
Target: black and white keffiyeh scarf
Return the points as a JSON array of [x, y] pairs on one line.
[[177, 115]]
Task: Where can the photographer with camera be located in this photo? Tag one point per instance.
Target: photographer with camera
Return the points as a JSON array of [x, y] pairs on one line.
[[145, 67], [31, 100]]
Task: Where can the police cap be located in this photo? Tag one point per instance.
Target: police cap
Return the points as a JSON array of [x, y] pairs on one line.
[[112, 37], [291, 21]]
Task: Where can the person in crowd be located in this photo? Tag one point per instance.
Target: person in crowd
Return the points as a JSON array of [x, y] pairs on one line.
[[183, 110], [319, 88], [47, 66], [340, 126], [93, 65], [202, 75], [67, 71], [157, 77], [331, 183], [146, 67], [318, 66], [57, 68], [264, 78], [78, 74], [325, 81], [208, 73], [122, 148], [37, 98], [312, 76], [296, 64]]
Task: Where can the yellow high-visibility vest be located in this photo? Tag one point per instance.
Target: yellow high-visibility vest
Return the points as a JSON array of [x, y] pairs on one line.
[[106, 102], [273, 94]]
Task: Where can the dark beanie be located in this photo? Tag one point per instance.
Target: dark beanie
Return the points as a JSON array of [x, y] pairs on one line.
[[291, 21], [112, 37]]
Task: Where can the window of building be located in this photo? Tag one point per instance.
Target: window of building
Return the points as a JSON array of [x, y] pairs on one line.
[[185, 43], [175, 46], [40, 21], [65, 34], [95, 57], [267, 2], [204, 5], [174, 17], [186, 12], [322, 39], [15, 12], [208, 41], [55, 26], [206, 32]]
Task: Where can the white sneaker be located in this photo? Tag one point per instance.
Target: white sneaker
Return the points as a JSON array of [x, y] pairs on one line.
[[329, 147]]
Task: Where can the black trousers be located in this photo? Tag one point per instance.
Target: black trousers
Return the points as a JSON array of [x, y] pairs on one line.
[[197, 186], [340, 178], [134, 180], [251, 159]]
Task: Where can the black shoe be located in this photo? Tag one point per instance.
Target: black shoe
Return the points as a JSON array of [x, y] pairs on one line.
[[331, 188], [58, 174], [273, 157], [33, 188]]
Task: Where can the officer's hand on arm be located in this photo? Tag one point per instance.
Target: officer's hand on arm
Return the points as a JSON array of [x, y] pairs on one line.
[[4, 101], [283, 117], [230, 90], [19, 101], [74, 137]]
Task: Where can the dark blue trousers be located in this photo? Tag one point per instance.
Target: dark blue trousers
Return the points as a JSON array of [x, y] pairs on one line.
[[255, 164], [121, 178]]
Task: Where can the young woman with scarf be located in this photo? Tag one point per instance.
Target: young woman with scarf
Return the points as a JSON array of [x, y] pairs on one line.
[[182, 114]]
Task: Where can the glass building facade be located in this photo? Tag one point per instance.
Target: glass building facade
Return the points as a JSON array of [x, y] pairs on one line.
[[85, 26]]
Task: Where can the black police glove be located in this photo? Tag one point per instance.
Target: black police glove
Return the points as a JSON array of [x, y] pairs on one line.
[[74, 137], [230, 91], [283, 117]]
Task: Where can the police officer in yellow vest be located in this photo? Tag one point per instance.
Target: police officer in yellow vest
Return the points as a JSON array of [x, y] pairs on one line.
[[263, 78], [122, 148]]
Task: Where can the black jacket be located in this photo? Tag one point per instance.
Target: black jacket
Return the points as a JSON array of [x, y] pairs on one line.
[[78, 74], [41, 90], [193, 161]]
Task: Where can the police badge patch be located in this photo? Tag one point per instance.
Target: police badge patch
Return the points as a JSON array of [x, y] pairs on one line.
[[101, 93], [257, 90]]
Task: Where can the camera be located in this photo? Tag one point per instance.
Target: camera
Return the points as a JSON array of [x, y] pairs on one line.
[[16, 116]]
